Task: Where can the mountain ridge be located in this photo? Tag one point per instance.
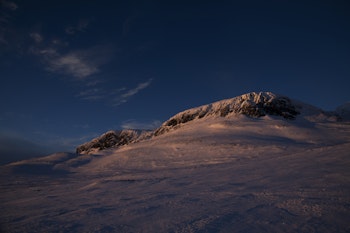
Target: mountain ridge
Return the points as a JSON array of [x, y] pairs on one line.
[[214, 173], [253, 104]]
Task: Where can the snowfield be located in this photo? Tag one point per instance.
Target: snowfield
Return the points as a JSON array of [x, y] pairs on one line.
[[213, 174]]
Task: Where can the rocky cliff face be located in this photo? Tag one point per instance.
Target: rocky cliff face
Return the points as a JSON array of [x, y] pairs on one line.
[[112, 139], [254, 104]]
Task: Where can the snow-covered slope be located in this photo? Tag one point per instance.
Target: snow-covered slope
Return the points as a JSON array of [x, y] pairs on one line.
[[254, 104], [232, 173]]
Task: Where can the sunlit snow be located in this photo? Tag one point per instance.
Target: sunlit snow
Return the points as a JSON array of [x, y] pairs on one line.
[[213, 174]]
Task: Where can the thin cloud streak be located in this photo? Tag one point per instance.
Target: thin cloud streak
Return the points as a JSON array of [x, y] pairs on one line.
[[36, 37], [81, 26], [9, 5], [92, 94], [137, 89], [131, 92], [133, 124], [114, 97]]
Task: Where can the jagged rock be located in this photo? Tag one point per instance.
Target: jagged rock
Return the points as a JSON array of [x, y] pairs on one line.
[[255, 104], [111, 139]]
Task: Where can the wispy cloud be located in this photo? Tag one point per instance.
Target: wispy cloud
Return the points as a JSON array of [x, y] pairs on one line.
[[9, 5], [36, 37], [78, 64], [81, 65], [93, 83], [134, 124], [123, 98], [115, 97], [127, 24], [134, 91], [92, 94], [73, 64], [84, 65], [81, 26]]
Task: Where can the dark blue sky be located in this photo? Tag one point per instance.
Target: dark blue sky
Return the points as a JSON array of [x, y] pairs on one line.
[[70, 70]]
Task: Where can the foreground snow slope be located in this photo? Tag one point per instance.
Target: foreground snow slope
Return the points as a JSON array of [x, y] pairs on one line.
[[213, 174]]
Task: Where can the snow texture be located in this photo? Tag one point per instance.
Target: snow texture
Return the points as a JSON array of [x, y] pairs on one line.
[[237, 173]]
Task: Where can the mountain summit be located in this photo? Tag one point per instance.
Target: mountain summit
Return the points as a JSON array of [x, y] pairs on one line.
[[254, 105]]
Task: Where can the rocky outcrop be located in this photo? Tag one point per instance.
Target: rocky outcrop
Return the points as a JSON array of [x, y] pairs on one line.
[[112, 139], [254, 104]]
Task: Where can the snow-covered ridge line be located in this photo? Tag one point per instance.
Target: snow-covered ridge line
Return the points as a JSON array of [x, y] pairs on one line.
[[254, 104]]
